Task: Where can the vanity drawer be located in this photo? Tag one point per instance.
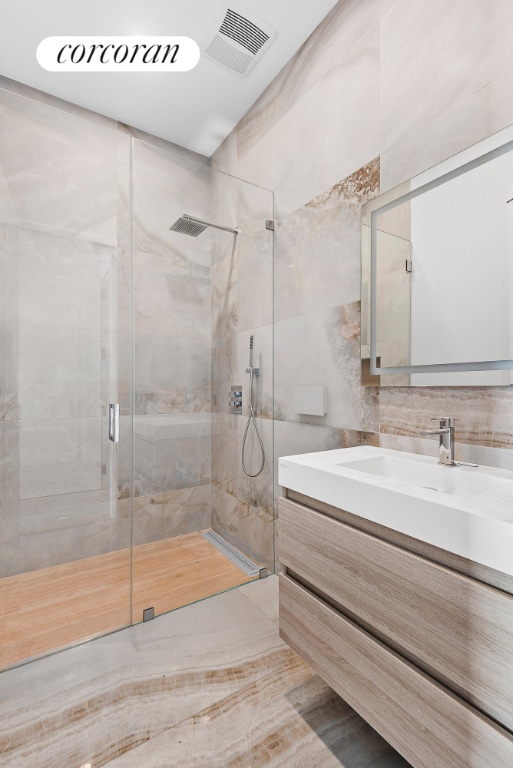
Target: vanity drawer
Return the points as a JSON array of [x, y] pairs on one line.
[[426, 723], [456, 629]]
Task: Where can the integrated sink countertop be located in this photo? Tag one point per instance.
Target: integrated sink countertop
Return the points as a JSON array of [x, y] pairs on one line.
[[461, 480], [464, 510]]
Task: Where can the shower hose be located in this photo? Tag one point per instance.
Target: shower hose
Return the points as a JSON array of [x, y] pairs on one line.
[[252, 420]]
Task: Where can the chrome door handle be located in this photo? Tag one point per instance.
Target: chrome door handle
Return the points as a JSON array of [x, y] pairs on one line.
[[114, 422]]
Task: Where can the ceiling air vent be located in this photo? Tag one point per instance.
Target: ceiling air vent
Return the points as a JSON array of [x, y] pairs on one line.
[[240, 40]]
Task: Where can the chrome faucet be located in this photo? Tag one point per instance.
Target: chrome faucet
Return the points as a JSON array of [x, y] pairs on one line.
[[446, 432]]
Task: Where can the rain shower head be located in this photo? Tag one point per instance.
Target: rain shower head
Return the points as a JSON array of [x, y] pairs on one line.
[[186, 227], [189, 225]]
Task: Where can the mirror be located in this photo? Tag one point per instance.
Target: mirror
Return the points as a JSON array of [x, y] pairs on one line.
[[437, 274]]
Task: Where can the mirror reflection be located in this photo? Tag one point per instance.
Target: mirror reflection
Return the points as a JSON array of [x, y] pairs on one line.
[[437, 273]]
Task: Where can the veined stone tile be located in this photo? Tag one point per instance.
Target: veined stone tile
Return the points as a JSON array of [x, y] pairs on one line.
[[9, 495], [264, 594], [484, 416], [174, 513], [263, 359], [171, 298], [124, 299], [123, 190], [167, 185], [59, 371], [59, 456], [225, 158], [172, 375], [238, 204], [327, 98], [180, 153], [155, 369], [323, 349], [341, 34], [484, 113], [317, 261], [223, 244], [255, 205], [225, 457], [171, 452], [9, 371], [255, 280], [225, 513], [116, 692], [349, 137], [501, 458], [290, 717], [225, 305], [194, 366], [48, 155], [255, 491], [242, 266], [224, 206], [116, 372], [27, 92], [9, 445], [230, 359], [224, 371], [60, 280], [427, 70], [385, 5], [9, 272], [51, 530], [248, 527]]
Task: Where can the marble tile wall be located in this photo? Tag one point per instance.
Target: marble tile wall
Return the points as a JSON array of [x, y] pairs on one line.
[[445, 76], [242, 306], [49, 156], [61, 176], [171, 513], [65, 241], [382, 90], [305, 133], [172, 423]]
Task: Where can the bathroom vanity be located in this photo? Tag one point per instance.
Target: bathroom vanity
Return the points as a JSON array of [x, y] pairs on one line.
[[398, 590]]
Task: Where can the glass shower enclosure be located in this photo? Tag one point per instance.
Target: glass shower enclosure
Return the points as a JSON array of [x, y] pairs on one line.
[[102, 303]]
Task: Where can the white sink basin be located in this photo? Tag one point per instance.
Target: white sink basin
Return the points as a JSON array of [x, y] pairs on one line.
[[464, 510], [461, 480]]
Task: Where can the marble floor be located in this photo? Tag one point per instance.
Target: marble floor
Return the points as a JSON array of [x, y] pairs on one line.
[[210, 684]]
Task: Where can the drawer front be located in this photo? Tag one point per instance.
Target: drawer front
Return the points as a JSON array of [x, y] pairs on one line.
[[426, 723], [456, 628]]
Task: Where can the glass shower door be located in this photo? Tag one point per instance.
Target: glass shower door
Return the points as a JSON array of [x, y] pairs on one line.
[[64, 355], [202, 257]]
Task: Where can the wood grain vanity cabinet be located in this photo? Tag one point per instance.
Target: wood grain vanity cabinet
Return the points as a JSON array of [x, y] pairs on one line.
[[418, 641]]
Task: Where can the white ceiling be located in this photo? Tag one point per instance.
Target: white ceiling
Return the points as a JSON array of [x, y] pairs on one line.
[[195, 109]]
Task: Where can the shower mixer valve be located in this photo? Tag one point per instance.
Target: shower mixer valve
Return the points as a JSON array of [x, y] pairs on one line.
[[236, 399]]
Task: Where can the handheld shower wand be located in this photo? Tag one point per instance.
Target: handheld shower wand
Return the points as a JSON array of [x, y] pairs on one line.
[[251, 418]]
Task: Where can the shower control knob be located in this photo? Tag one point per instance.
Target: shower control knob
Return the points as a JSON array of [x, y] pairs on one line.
[[235, 401]]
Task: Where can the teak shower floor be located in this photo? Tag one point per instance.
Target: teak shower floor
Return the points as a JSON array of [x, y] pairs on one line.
[[43, 611]]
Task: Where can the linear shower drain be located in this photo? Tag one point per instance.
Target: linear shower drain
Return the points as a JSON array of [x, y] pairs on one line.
[[243, 562]]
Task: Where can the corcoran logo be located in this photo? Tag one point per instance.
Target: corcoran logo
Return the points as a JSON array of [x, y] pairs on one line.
[[118, 54]]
